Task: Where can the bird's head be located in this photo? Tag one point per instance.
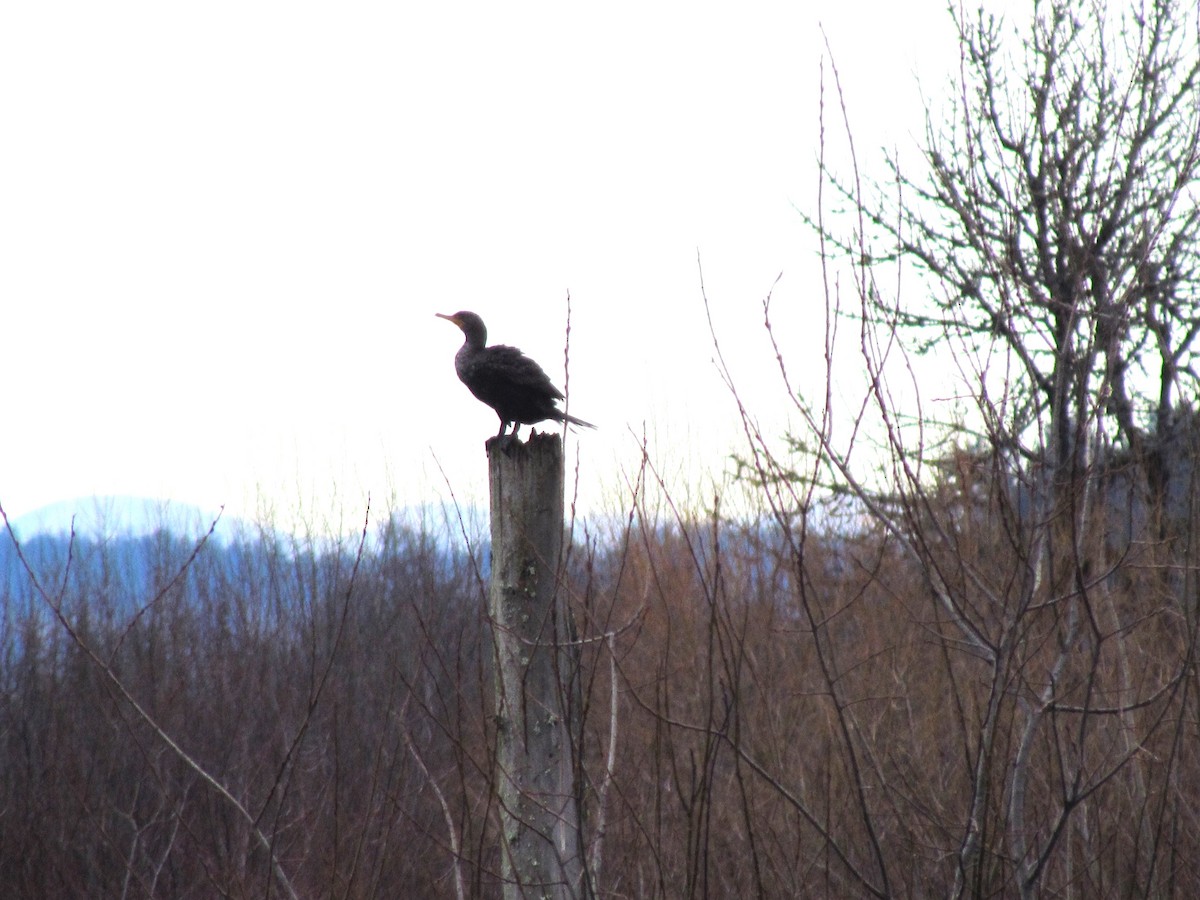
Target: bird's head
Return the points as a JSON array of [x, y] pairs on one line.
[[472, 326]]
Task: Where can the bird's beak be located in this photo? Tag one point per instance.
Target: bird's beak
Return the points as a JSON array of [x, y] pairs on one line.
[[453, 319]]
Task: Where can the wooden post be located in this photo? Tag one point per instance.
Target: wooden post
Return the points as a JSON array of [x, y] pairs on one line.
[[535, 665]]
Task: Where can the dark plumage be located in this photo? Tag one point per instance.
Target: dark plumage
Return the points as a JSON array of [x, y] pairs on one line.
[[505, 378]]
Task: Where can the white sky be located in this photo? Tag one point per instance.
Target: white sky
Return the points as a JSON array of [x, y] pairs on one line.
[[225, 228]]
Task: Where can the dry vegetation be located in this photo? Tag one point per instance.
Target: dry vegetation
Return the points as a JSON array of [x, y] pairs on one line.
[[797, 714]]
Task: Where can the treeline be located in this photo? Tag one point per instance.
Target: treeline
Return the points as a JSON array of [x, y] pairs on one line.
[[180, 723], [766, 710]]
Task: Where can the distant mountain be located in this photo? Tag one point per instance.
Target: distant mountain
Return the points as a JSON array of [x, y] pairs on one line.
[[106, 517], [125, 549]]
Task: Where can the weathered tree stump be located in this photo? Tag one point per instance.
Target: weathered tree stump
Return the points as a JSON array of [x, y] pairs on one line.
[[535, 662]]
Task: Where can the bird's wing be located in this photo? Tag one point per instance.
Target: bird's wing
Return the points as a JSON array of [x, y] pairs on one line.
[[503, 364]]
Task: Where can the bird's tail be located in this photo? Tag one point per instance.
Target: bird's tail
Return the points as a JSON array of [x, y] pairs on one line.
[[575, 421]]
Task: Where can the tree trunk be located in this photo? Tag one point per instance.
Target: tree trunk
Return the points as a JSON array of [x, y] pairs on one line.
[[535, 665]]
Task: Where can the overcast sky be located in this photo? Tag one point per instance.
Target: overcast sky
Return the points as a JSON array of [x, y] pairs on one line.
[[225, 228]]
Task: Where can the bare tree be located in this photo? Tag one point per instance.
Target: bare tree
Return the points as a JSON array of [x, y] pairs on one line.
[[1055, 213], [1055, 221]]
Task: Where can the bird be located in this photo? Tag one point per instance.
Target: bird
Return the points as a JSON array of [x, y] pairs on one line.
[[505, 379]]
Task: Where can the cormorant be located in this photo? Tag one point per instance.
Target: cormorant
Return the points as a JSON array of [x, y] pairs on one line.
[[505, 378]]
